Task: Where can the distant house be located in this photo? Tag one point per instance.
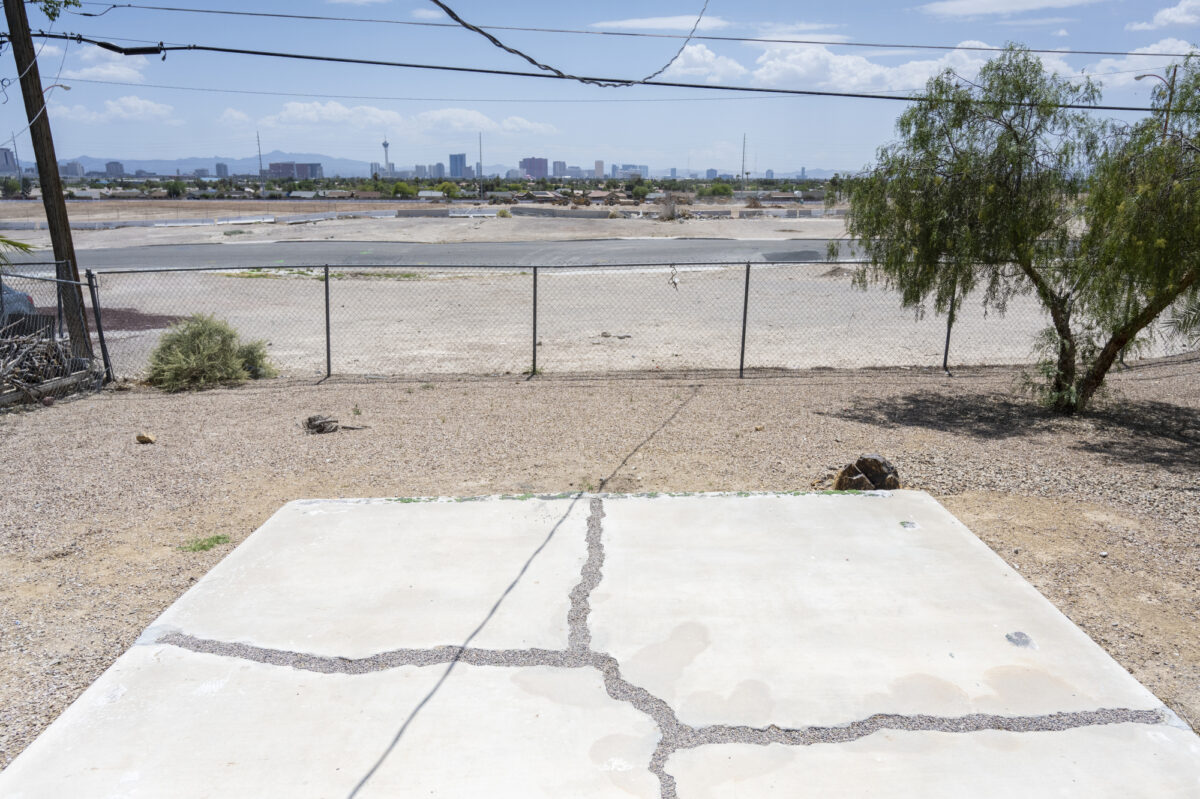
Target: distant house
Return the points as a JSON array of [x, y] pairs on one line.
[[302, 195], [543, 197], [339, 194], [87, 194], [602, 197], [501, 196], [431, 196], [368, 195], [782, 197]]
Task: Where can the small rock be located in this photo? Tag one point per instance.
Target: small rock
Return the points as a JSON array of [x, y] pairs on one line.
[[145, 438], [1104, 554], [47, 401], [606, 334], [758, 428]]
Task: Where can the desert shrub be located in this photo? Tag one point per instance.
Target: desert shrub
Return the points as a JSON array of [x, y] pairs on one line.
[[504, 213], [615, 214], [203, 351]]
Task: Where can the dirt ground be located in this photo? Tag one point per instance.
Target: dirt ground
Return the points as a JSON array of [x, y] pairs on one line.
[[1098, 512], [409, 229]]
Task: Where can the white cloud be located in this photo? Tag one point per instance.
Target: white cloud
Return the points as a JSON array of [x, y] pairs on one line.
[[124, 109], [697, 62], [1129, 66], [679, 23], [427, 13], [1035, 22], [233, 117], [1187, 12], [977, 8], [108, 66], [820, 68], [1061, 32], [435, 123]]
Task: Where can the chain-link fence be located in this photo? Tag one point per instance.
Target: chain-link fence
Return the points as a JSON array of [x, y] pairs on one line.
[[39, 361], [757, 318]]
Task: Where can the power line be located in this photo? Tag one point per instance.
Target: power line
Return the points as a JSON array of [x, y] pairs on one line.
[[321, 96], [164, 49], [626, 34]]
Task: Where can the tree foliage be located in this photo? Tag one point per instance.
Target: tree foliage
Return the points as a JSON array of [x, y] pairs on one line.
[[994, 186]]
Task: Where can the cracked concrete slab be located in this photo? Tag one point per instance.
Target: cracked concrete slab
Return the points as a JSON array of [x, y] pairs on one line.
[[819, 610], [354, 578], [702, 646], [168, 722], [1109, 762]]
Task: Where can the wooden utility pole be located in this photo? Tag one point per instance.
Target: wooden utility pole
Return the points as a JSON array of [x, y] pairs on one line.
[[47, 164]]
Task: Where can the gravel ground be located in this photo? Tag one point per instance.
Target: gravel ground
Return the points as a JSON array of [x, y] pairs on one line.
[[1098, 512]]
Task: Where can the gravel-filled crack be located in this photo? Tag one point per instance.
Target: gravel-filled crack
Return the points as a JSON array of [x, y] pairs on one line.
[[673, 734]]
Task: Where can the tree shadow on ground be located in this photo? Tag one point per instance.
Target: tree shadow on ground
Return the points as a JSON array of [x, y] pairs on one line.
[[1134, 432]]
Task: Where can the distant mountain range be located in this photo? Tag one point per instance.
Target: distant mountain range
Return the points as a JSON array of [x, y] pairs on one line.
[[333, 167]]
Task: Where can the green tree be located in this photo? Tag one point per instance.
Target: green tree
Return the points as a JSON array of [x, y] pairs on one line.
[[447, 188], [10, 187], [640, 191], [402, 189], [175, 188], [990, 186]]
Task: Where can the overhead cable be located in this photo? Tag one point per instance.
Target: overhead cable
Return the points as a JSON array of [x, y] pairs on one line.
[[629, 34], [164, 49]]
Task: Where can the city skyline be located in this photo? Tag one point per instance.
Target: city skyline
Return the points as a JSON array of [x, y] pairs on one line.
[[193, 102]]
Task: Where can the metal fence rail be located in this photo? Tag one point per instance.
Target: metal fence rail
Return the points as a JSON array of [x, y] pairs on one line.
[[388, 320]]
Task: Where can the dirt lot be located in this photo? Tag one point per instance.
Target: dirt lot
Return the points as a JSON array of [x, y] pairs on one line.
[[412, 229], [1099, 512]]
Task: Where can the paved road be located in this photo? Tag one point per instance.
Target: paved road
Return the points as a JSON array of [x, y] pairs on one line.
[[601, 251]]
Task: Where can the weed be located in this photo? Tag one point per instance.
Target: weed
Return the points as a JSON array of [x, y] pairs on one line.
[[203, 351], [427, 386], [356, 410], [204, 544], [236, 232]]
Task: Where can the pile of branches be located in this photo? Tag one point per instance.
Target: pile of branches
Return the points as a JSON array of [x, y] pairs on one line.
[[27, 361]]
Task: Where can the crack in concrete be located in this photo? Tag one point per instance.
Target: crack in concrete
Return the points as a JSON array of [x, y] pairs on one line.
[[674, 735]]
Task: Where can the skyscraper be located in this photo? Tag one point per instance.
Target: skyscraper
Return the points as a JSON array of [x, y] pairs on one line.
[[560, 169], [599, 169], [386, 162], [222, 170], [534, 167], [458, 164]]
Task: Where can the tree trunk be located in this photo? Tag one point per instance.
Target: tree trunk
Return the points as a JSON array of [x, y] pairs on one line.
[[1091, 380]]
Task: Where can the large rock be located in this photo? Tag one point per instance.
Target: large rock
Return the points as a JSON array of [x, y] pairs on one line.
[[877, 469], [868, 473]]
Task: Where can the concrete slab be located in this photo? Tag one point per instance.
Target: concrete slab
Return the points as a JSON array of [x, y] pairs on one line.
[[166, 722], [1112, 762], [352, 578], [765, 610], [702, 646]]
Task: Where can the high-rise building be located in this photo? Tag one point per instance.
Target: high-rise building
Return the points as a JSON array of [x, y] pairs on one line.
[[770, 174], [8, 162], [421, 170], [644, 170], [803, 175], [710, 174], [458, 164], [534, 167], [574, 172], [375, 169], [387, 162], [599, 169], [201, 173], [559, 169], [71, 169], [614, 168], [290, 169], [478, 169], [222, 170], [114, 169], [438, 171], [514, 174], [673, 173], [468, 173]]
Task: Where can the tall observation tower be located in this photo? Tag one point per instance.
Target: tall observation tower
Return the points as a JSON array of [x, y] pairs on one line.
[[387, 168]]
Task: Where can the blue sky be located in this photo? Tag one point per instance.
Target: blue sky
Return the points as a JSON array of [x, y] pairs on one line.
[[426, 115]]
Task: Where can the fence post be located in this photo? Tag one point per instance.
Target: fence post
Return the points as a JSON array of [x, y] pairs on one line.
[[94, 290], [533, 365], [328, 334], [745, 313]]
